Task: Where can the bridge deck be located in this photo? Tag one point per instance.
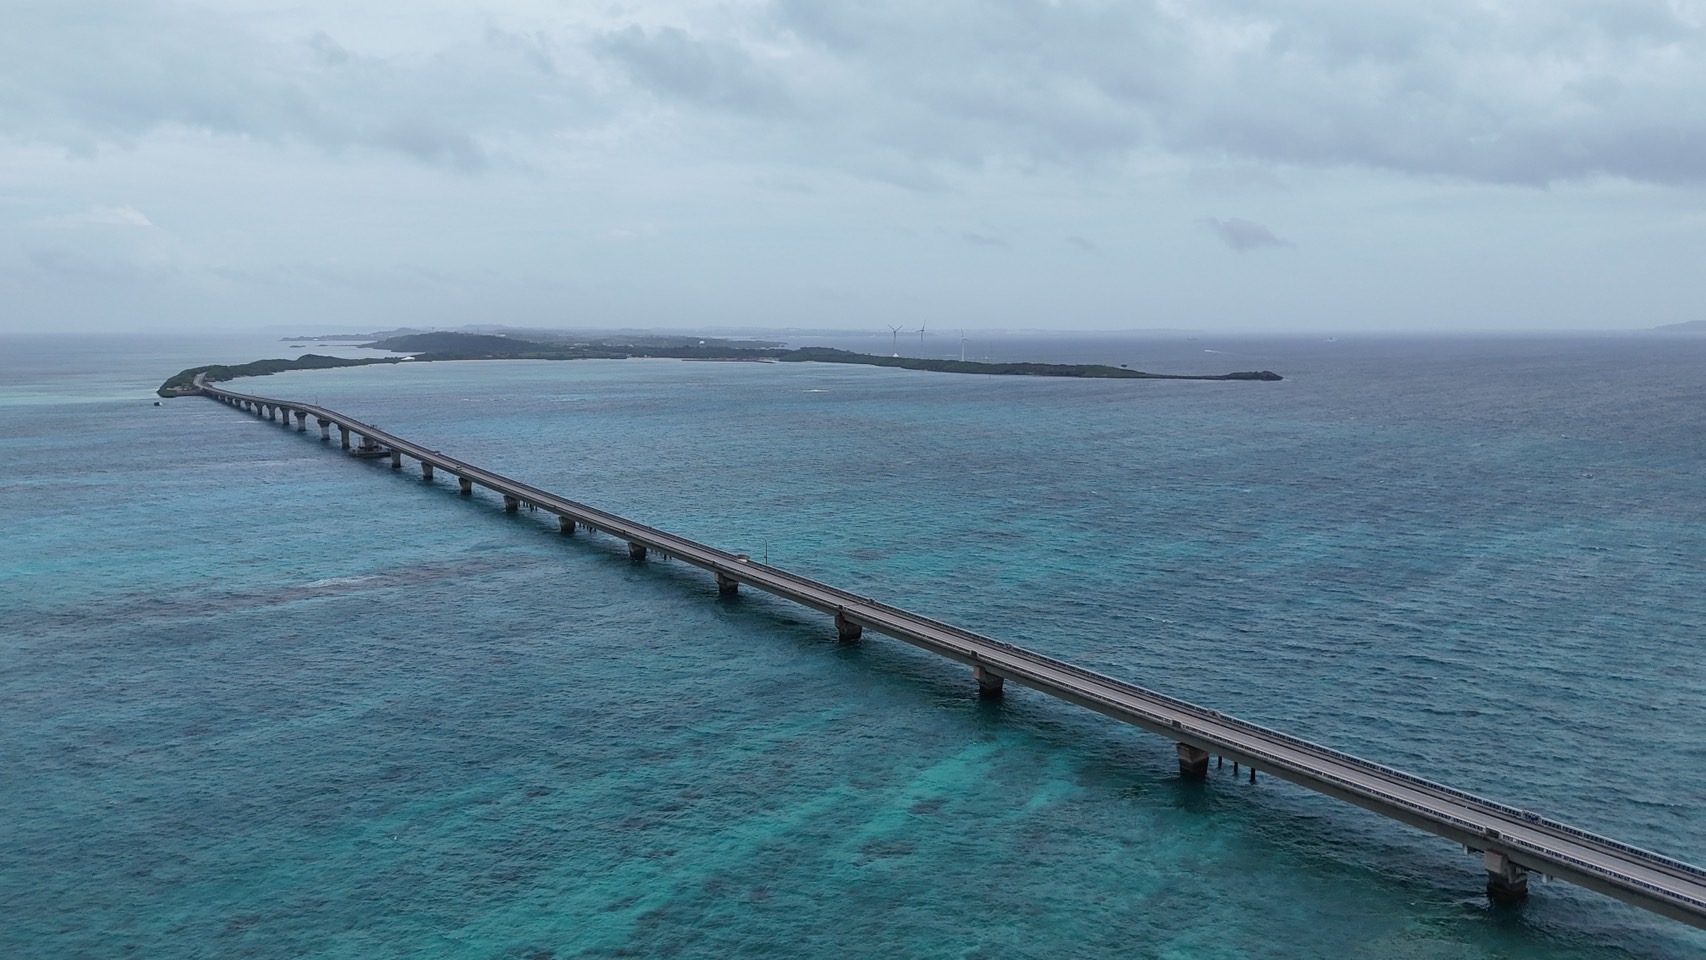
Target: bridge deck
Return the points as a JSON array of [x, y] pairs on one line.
[[1648, 880]]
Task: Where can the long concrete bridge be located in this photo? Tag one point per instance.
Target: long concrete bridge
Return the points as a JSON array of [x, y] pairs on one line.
[[1510, 841]]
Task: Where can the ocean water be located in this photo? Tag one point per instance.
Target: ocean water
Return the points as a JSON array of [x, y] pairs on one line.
[[262, 700]]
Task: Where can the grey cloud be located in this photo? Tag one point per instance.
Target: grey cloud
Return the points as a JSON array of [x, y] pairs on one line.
[[329, 50], [911, 93], [1244, 235], [980, 239], [425, 140], [96, 74], [1533, 94], [672, 63]]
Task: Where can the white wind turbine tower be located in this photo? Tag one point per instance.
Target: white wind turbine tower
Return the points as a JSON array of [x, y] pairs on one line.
[[921, 338], [894, 338], [962, 346]]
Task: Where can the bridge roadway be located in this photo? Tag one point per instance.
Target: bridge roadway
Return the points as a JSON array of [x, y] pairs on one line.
[[1512, 841]]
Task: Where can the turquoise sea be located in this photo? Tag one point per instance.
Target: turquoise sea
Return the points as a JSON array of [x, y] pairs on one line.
[[258, 699]]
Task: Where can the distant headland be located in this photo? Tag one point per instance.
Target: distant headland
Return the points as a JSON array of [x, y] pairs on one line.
[[1686, 326], [428, 347]]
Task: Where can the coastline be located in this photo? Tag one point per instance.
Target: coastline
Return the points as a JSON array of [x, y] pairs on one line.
[[469, 347]]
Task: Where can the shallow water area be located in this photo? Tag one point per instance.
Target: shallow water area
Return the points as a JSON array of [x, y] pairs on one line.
[[268, 700]]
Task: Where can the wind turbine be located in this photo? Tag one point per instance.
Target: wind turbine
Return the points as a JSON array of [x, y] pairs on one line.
[[894, 338], [921, 338], [962, 346]]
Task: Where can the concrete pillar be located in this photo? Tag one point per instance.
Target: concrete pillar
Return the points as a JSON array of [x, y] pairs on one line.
[[511, 504], [846, 630], [988, 684], [565, 524], [271, 411], [727, 586], [426, 470], [343, 433], [396, 459], [325, 428], [636, 551], [1193, 762], [464, 486], [301, 421], [1507, 883]]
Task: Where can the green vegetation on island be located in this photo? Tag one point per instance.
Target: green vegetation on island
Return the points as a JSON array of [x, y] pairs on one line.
[[184, 382], [482, 346], [1090, 370], [427, 347]]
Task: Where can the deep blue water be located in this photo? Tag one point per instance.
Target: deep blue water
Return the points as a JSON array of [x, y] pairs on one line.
[[263, 700]]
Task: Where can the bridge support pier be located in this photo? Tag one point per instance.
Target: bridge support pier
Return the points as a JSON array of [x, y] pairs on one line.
[[465, 486], [727, 586], [426, 470], [1193, 762], [1507, 883], [988, 684], [272, 411], [636, 551], [846, 630], [301, 421], [343, 434], [511, 504], [396, 460], [325, 428], [565, 524]]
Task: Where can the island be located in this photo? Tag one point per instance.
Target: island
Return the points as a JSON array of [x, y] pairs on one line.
[[430, 347]]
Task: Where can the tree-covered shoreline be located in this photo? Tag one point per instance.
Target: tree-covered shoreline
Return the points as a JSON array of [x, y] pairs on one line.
[[460, 346]]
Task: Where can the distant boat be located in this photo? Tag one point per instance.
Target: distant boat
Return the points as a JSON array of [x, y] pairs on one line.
[[368, 450]]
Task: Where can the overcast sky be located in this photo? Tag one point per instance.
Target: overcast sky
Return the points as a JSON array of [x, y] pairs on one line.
[[1305, 165]]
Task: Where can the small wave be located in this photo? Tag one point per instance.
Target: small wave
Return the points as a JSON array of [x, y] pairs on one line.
[[816, 390], [338, 582]]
